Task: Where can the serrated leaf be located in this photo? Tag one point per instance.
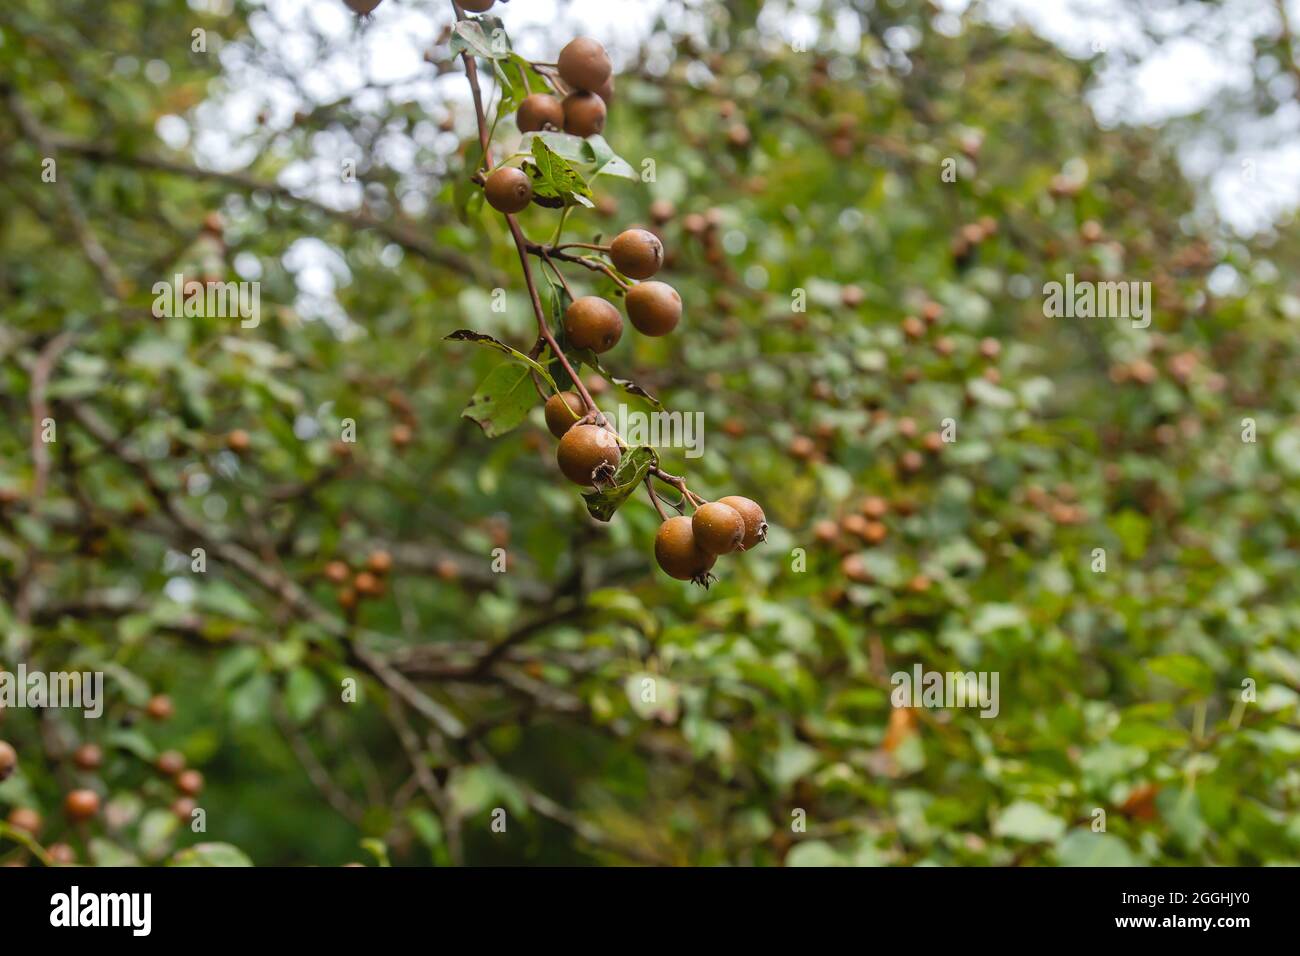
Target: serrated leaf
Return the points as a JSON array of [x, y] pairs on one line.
[[482, 36], [503, 400], [518, 80], [479, 338], [573, 148], [607, 162], [588, 358], [631, 471], [554, 175]]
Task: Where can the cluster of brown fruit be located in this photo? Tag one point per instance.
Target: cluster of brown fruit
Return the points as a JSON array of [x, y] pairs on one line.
[[367, 583], [189, 783], [585, 69], [687, 548], [654, 308]]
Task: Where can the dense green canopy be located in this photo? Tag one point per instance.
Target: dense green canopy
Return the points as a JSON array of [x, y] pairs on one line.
[[1101, 515]]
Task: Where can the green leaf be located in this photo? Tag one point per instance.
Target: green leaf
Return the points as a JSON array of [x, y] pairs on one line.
[[817, 853], [503, 400], [303, 695], [588, 358], [1184, 670], [211, 854], [1029, 822], [570, 147], [555, 176], [479, 338], [518, 80], [1081, 847], [105, 853], [631, 471], [156, 832], [605, 161], [483, 36]]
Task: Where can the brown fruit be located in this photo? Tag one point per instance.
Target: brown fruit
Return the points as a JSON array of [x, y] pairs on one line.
[[911, 461], [160, 707], [336, 572], [183, 808], [718, 528], [508, 190], [88, 757], [539, 111], [189, 782], [380, 562], [825, 531], [855, 569], [593, 323], [913, 327], [606, 92], [347, 598], [81, 805], [919, 584], [400, 435], [874, 532], [171, 762], [584, 64], [26, 819], [654, 308], [875, 507], [755, 520], [637, 253], [61, 854], [476, 6], [238, 441], [363, 6], [661, 210], [8, 759], [366, 583], [854, 524], [587, 453], [933, 442], [990, 348], [802, 448], [584, 114], [562, 411], [679, 554]]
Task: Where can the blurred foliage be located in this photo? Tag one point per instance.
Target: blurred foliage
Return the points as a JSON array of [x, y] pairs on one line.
[[779, 171]]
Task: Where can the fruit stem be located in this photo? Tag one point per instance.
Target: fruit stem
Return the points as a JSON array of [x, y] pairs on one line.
[[521, 244], [580, 245], [654, 499]]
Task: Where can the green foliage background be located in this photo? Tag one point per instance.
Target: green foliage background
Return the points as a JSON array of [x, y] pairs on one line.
[[1120, 691]]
